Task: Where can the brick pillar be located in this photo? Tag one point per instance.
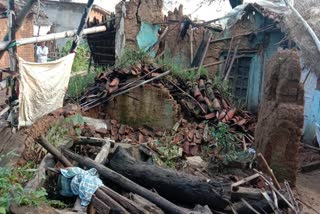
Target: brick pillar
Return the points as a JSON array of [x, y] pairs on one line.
[[280, 119]]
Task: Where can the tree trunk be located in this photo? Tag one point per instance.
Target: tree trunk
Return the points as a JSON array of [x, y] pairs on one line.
[[175, 186]]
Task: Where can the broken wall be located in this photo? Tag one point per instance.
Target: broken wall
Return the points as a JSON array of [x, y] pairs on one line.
[[221, 43], [280, 120], [178, 48], [150, 11], [138, 11], [146, 106]]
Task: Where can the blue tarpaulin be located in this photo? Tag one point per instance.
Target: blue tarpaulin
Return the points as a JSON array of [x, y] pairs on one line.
[[147, 36]]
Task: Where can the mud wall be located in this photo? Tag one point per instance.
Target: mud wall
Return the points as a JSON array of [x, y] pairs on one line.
[[145, 106], [138, 11], [217, 48], [280, 120], [177, 47]]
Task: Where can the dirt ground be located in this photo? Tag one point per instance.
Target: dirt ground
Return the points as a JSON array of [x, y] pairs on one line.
[[308, 189]]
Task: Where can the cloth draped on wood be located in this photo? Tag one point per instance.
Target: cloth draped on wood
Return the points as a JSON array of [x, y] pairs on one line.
[[84, 183], [42, 87]]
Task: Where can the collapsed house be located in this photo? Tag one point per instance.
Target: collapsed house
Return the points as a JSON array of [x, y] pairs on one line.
[[171, 118], [253, 35]]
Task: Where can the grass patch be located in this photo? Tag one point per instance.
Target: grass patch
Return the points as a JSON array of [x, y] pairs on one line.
[[179, 68], [132, 58], [78, 84]]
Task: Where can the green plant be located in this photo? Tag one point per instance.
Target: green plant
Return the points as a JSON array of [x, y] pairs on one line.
[[223, 138], [132, 58], [11, 186], [169, 154], [223, 87], [81, 60], [77, 121], [179, 69], [56, 134], [79, 83]]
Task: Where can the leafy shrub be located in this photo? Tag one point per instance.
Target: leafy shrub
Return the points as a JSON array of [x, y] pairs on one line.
[[81, 61], [11, 186]]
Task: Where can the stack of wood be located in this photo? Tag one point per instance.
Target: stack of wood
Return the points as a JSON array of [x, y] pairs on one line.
[[256, 193]]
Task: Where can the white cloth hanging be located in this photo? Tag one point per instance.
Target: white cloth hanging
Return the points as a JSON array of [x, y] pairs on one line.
[[42, 87]]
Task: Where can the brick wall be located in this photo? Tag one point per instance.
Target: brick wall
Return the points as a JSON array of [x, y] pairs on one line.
[[97, 14], [27, 51]]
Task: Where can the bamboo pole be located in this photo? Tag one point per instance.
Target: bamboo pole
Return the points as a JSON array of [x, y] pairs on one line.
[[306, 25], [83, 21], [54, 36], [270, 171]]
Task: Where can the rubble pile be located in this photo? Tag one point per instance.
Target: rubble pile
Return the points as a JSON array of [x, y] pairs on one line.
[[202, 104], [125, 181]]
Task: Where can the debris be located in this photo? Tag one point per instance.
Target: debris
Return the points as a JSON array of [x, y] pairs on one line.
[[169, 183], [125, 183], [196, 162], [269, 170]]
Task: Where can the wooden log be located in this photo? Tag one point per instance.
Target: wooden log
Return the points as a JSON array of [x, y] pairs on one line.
[[245, 192], [125, 183], [171, 184], [232, 61], [82, 23], [114, 205], [57, 154], [100, 206], [147, 205], [311, 147], [204, 54], [102, 156], [123, 201], [54, 151]]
